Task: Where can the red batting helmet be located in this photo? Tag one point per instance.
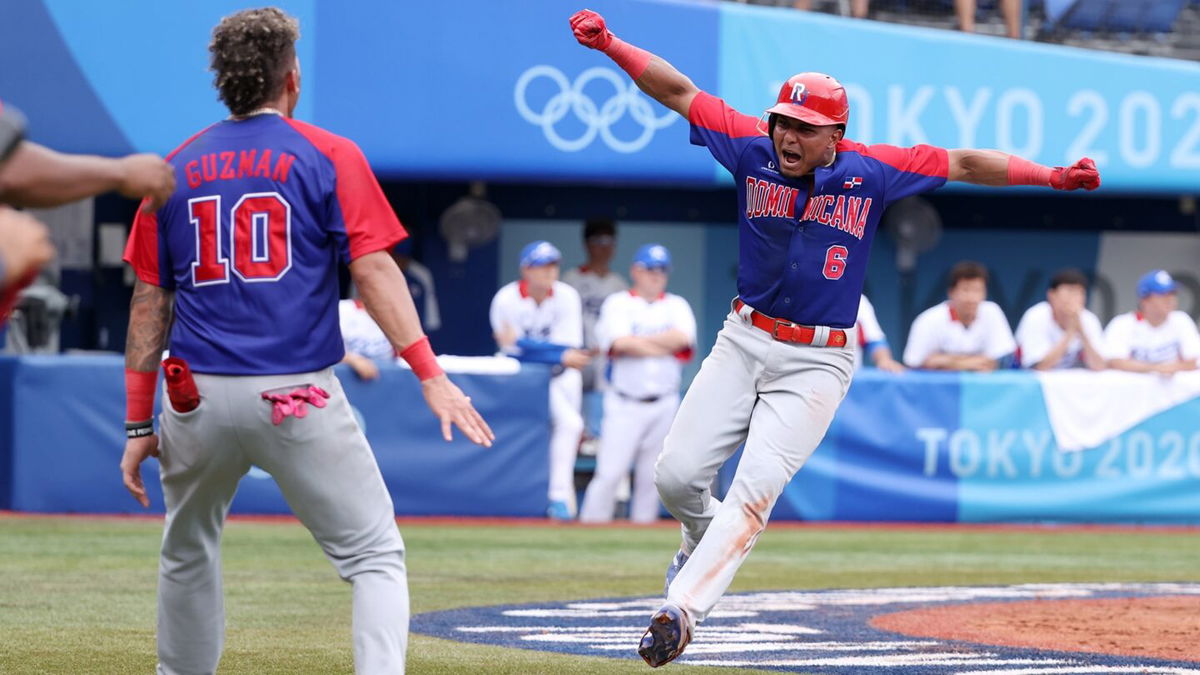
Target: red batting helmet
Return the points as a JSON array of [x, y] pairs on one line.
[[815, 98]]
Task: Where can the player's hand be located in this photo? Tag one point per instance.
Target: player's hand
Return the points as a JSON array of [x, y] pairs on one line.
[[24, 245], [506, 336], [453, 407], [136, 452], [363, 367], [147, 176], [576, 358], [589, 29], [1081, 174], [890, 365]]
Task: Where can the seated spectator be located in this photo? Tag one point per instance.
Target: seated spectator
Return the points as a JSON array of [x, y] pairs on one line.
[[1009, 9], [364, 340], [1157, 338], [967, 332], [872, 341], [858, 8], [1060, 332]]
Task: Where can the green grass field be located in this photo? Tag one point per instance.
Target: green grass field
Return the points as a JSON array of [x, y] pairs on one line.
[[77, 594]]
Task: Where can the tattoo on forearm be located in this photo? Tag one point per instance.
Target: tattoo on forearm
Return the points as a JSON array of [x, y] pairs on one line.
[[149, 318]]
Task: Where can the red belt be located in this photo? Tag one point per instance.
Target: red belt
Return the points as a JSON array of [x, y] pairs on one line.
[[786, 331]]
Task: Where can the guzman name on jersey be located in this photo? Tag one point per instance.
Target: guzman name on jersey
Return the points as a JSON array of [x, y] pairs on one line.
[[231, 165]]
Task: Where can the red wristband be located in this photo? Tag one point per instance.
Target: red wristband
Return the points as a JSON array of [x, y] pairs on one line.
[[1025, 172], [632, 60], [139, 394], [420, 356]]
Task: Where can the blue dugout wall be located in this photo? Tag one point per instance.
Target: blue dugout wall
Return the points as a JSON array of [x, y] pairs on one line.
[[480, 89], [935, 447]]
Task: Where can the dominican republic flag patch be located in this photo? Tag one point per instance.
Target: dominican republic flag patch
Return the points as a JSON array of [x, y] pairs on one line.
[[852, 183]]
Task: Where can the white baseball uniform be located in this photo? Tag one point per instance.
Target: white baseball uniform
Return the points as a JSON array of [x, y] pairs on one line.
[[869, 333], [593, 290], [639, 403], [361, 334], [1130, 336], [937, 330], [557, 320], [1038, 332]]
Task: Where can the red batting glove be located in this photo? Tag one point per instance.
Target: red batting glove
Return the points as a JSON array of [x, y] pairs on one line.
[[1081, 174], [589, 30]]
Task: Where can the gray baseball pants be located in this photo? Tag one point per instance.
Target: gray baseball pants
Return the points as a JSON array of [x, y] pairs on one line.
[[327, 473], [777, 397]]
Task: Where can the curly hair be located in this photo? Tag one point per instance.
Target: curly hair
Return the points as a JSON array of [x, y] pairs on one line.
[[252, 51]]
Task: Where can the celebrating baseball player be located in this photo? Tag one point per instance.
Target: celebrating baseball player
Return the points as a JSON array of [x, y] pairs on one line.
[[809, 203], [244, 255], [539, 320], [650, 334]]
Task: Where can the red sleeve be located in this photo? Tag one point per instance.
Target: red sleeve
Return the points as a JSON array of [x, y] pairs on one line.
[[141, 250], [369, 222], [908, 171], [927, 160], [714, 114], [724, 131]]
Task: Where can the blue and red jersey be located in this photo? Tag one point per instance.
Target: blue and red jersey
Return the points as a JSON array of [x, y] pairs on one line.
[[266, 208], [804, 243]]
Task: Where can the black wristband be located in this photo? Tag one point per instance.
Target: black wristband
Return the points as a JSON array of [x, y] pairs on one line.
[[139, 429]]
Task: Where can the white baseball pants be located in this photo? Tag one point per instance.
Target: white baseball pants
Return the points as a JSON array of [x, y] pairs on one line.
[[328, 475], [566, 422], [779, 398], [631, 436]]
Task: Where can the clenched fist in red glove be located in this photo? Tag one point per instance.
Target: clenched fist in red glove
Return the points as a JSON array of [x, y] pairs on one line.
[[590, 30], [1081, 174]]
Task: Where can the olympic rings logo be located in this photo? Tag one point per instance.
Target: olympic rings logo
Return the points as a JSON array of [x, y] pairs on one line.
[[598, 119]]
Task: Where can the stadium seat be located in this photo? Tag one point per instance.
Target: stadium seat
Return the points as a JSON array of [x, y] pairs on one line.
[[1161, 15], [1089, 15]]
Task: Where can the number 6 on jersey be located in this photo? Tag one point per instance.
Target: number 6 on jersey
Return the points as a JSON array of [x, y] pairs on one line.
[[261, 241], [835, 262]]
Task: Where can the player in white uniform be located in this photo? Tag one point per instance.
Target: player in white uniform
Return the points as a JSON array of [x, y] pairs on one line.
[[364, 339], [649, 334], [538, 319], [1158, 338], [595, 282], [1060, 332], [966, 332], [872, 340]]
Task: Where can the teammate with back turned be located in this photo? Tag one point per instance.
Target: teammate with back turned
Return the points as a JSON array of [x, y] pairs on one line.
[[809, 203], [245, 256]]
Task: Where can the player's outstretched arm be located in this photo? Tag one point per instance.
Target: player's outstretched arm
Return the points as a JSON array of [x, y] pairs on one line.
[[39, 176], [653, 75], [149, 319], [995, 168], [386, 298]]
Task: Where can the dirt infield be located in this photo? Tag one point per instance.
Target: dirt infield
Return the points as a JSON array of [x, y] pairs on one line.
[[1165, 627]]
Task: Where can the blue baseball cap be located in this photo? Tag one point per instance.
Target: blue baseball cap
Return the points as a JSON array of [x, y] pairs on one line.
[[539, 253], [653, 256], [1156, 281]]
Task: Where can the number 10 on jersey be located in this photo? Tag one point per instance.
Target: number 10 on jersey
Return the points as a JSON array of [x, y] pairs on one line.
[[259, 232]]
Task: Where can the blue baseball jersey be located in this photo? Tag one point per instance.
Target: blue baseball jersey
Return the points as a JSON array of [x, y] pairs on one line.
[[266, 209], [804, 243]]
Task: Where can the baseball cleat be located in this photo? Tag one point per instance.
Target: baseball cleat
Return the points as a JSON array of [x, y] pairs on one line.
[[559, 510], [666, 637], [676, 564]]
